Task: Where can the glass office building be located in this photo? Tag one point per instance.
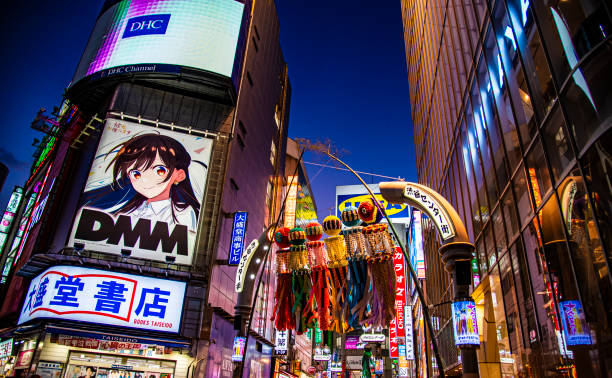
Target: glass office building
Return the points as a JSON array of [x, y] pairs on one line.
[[512, 115]]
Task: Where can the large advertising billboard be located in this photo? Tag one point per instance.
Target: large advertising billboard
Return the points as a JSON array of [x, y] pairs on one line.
[[102, 297], [154, 35], [144, 193], [353, 195]]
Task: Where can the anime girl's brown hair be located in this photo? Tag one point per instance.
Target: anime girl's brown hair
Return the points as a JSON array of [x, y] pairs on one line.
[[140, 151]]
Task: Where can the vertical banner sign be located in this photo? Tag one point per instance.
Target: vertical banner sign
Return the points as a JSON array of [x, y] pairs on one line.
[[409, 333], [418, 245], [282, 337], [393, 344], [465, 323], [291, 202], [9, 214], [400, 292], [575, 327], [238, 235], [239, 344], [144, 193]]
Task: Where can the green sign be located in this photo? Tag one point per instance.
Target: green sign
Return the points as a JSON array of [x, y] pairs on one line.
[[318, 336]]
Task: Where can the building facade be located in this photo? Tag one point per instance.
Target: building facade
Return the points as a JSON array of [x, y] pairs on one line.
[[121, 254], [511, 114]]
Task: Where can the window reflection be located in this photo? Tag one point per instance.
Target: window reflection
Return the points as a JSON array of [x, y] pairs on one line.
[[523, 200], [537, 172], [588, 261], [557, 143]]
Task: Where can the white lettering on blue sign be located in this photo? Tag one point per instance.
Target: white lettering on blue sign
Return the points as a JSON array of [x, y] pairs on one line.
[[238, 235], [98, 296]]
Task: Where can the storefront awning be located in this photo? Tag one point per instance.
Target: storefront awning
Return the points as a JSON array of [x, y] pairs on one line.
[[106, 336]]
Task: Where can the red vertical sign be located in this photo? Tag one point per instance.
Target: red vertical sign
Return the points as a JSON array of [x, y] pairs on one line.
[[393, 345]]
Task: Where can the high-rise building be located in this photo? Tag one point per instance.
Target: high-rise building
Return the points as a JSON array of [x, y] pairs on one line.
[[166, 158], [512, 111]]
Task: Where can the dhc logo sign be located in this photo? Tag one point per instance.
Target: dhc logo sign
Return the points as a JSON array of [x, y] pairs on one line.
[[143, 25]]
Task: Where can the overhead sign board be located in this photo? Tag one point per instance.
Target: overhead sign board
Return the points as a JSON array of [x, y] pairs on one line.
[[6, 348], [282, 338], [102, 297], [353, 195], [434, 209]]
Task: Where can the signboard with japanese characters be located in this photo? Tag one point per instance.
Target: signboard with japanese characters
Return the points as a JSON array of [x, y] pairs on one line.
[[428, 203], [238, 235], [238, 349], [575, 327], [102, 297], [282, 338], [144, 193], [408, 326]]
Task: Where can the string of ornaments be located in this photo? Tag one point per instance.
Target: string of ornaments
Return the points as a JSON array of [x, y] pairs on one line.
[[339, 283]]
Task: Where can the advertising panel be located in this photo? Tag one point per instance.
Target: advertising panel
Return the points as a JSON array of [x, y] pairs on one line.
[[238, 235], [143, 193], [157, 35], [393, 342], [353, 195], [465, 323], [6, 348], [9, 214], [575, 328], [98, 296], [239, 345]]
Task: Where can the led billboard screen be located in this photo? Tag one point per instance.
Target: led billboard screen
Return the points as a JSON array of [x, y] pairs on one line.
[[154, 35], [144, 193]]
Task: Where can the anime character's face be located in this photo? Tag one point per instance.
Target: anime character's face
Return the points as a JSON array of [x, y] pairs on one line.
[[153, 182]]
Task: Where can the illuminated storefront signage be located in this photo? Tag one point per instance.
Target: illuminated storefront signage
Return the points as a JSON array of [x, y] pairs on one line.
[[102, 297], [400, 292], [393, 341], [409, 332], [335, 367], [352, 342], [143, 193], [379, 366], [238, 235], [280, 348], [372, 338], [353, 195], [199, 34], [239, 345], [9, 215], [575, 328], [6, 348], [432, 207], [465, 323]]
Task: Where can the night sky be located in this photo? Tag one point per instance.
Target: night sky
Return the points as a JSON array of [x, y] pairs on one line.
[[346, 65]]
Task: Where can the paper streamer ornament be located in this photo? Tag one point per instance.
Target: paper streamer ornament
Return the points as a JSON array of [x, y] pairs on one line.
[[283, 299], [314, 231], [357, 273], [338, 268], [321, 279], [281, 237]]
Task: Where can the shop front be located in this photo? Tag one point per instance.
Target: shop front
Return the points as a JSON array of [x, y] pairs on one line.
[[68, 356]]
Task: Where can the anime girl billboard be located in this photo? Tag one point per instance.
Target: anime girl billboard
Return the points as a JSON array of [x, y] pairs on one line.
[[143, 193]]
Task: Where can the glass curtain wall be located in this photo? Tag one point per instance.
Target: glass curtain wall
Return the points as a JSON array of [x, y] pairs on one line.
[[517, 95]]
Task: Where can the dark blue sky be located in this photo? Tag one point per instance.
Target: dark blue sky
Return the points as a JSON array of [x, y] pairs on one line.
[[346, 65]]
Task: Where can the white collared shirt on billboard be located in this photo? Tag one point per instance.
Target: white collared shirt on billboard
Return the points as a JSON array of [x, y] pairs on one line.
[[162, 210]]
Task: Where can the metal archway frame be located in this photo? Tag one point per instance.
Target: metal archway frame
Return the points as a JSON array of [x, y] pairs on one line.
[[456, 250]]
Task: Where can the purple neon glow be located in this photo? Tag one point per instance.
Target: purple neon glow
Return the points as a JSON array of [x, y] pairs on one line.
[[134, 8]]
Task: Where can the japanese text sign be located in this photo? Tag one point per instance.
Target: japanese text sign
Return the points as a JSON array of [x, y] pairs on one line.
[[432, 206], [408, 326], [238, 235], [465, 323], [282, 338], [400, 291], [393, 342], [239, 345], [102, 297]]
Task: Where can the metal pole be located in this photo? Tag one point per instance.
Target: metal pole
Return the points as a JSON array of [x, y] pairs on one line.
[[412, 273]]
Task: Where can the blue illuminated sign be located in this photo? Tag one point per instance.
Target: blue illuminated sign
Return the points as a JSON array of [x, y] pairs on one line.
[[149, 24], [238, 235]]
